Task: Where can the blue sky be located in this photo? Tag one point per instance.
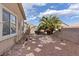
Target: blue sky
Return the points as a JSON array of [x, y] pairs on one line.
[[67, 12]]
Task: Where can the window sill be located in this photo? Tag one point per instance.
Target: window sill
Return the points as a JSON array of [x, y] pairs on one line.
[[7, 36]]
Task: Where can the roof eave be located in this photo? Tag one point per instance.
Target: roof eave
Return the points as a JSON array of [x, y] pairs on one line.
[[22, 10]]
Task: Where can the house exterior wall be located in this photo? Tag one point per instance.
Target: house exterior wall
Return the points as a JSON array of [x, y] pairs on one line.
[[19, 19], [7, 41]]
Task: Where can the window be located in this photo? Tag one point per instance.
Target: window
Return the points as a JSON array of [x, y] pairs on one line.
[[12, 24], [6, 23], [9, 26]]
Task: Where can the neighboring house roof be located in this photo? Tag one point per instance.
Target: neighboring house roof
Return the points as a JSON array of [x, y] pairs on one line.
[[65, 24], [22, 10]]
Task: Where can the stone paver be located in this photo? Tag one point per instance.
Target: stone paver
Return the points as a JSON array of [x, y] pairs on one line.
[[58, 48], [53, 41], [40, 45], [46, 40], [37, 49], [33, 42], [63, 43], [33, 39]]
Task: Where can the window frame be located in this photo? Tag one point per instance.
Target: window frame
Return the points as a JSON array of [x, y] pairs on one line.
[[4, 21], [9, 21]]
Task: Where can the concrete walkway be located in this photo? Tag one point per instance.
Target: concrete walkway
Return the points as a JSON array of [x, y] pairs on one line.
[[44, 45]]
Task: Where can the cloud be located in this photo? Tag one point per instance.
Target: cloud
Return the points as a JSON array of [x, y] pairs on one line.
[[77, 16], [52, 7], [58, 12], [32, 14], [30, 9], [30, 5], [40, 4], [32, 18], [73, 9], [74, 6]]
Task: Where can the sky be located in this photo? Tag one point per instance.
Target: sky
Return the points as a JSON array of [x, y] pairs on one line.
[[67, 12]]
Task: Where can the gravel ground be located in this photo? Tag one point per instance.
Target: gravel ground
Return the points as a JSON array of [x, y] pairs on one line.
[[44, 45]]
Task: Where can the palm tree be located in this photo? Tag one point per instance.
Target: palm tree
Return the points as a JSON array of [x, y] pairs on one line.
[[50, 23], [56, 22]]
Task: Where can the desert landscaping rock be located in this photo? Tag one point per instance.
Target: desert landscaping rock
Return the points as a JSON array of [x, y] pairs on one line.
[[40, 45], [63, 43], [37, 49], [33, 39], [28, 48], [23, 46], [46, 41], [18, 53], [30, 54], [44, 47], [47, 37], [41, 38], [57, 48], [53, 41], [33, 42]]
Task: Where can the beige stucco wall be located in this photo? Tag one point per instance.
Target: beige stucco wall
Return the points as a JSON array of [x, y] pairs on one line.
[[14, 8], [0, 21], [5, 45], [6, 42]]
